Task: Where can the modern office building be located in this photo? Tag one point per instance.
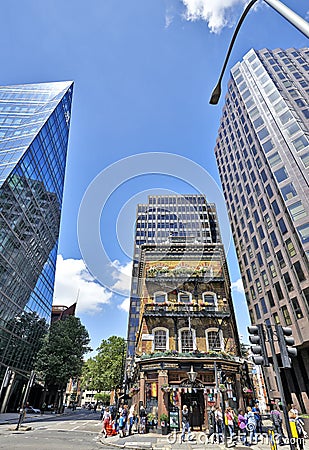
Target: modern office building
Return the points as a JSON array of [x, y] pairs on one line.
[[184, 328], [262, 152], [34, 131]]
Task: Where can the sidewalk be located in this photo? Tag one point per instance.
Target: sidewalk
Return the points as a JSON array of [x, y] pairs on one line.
[[8, 418]]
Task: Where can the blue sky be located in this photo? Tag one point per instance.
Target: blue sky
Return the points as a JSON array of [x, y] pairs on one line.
[[143, 72]]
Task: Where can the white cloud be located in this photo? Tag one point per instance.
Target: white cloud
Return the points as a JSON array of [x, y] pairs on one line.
[[217, 13], [168, 20], [125, 305], [123, 276], [238, 286], [72, 280]]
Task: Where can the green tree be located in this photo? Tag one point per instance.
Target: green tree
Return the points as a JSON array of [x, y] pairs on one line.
[[104, 372], [103, 397], [61, 355]]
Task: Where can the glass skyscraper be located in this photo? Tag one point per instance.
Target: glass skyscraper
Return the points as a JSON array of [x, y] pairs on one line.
[[34, 131], [262, 152]]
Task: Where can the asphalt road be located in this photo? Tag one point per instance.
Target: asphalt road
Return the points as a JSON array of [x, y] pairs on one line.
[[77, 431]]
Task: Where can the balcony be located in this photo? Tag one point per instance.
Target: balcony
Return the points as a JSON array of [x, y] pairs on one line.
[[183, 310]]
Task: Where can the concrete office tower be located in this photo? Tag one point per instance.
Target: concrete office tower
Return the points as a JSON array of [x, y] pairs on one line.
[[34, 131], [262, 152]]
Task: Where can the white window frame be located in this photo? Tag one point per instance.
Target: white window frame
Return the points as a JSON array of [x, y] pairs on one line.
[[184, 293], [213, 294], [157, 294], [209, 330], [193, 338], [167, 337]]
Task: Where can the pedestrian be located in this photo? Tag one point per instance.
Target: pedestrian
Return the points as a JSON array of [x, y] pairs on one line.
[[123, 416], [294, 410], [142, 415], [258, 417], [106, 421], [276, 418], [242, 424], [251, 426], [229, 417], [185, 423], [131, 417], [219, 424], [296, 425]]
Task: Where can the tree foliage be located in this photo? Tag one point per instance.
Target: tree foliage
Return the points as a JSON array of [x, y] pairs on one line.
[[104, 372], [61, 355]]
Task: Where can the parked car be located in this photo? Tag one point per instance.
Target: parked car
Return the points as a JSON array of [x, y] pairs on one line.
[[31, 410]]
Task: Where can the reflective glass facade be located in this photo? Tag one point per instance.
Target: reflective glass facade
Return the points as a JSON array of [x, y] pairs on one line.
[[34, 131]]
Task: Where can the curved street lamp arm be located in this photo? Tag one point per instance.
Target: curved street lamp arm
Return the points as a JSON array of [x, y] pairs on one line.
[[217, 90], [284, 11]]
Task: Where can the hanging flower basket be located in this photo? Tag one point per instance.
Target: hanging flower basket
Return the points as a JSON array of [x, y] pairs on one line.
[[133, 391]]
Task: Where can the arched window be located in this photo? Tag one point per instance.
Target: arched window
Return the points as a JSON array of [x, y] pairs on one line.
[[210, 299], [160, 297], [160, 341], [187, 340], [184, 297], [214, 340]]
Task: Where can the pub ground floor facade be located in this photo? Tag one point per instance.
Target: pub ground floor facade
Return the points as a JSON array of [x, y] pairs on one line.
[[163, 386]]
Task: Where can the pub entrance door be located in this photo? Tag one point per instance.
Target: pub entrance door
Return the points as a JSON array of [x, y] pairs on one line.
[[195, 403]]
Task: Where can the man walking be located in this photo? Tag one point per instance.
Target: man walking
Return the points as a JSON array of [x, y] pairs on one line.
[[185, 423]]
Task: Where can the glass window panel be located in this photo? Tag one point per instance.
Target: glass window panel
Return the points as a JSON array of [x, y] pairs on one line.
[[281, 174], [300, 143], [297, 211], [288, 191], [160, 340], [305, 159], [274, 159]]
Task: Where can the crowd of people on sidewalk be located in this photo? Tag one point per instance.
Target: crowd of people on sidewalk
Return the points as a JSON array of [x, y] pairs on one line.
[[247, 425], [123, 421], [232, 425]]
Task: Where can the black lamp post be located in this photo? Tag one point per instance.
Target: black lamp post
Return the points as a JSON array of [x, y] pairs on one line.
[[284, 11]]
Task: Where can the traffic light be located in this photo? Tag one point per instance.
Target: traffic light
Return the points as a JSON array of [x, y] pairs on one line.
[[285, 341], [259, 348]]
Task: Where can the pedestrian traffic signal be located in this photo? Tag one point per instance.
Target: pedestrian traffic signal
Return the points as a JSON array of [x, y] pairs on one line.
[[259, 348], [285, 341]]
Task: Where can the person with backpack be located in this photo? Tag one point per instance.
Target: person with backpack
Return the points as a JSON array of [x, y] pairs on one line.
[[185, 420], [142, 415], [258, 417], [276, 418], [242, 423]]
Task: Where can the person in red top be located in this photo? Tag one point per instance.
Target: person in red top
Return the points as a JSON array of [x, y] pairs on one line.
[[106, 421]]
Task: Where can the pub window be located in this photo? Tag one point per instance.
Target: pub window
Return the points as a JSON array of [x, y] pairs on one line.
[[187, 340], [210, 298], [184, 297], [160, 339], [214, 339], [160, 297]]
